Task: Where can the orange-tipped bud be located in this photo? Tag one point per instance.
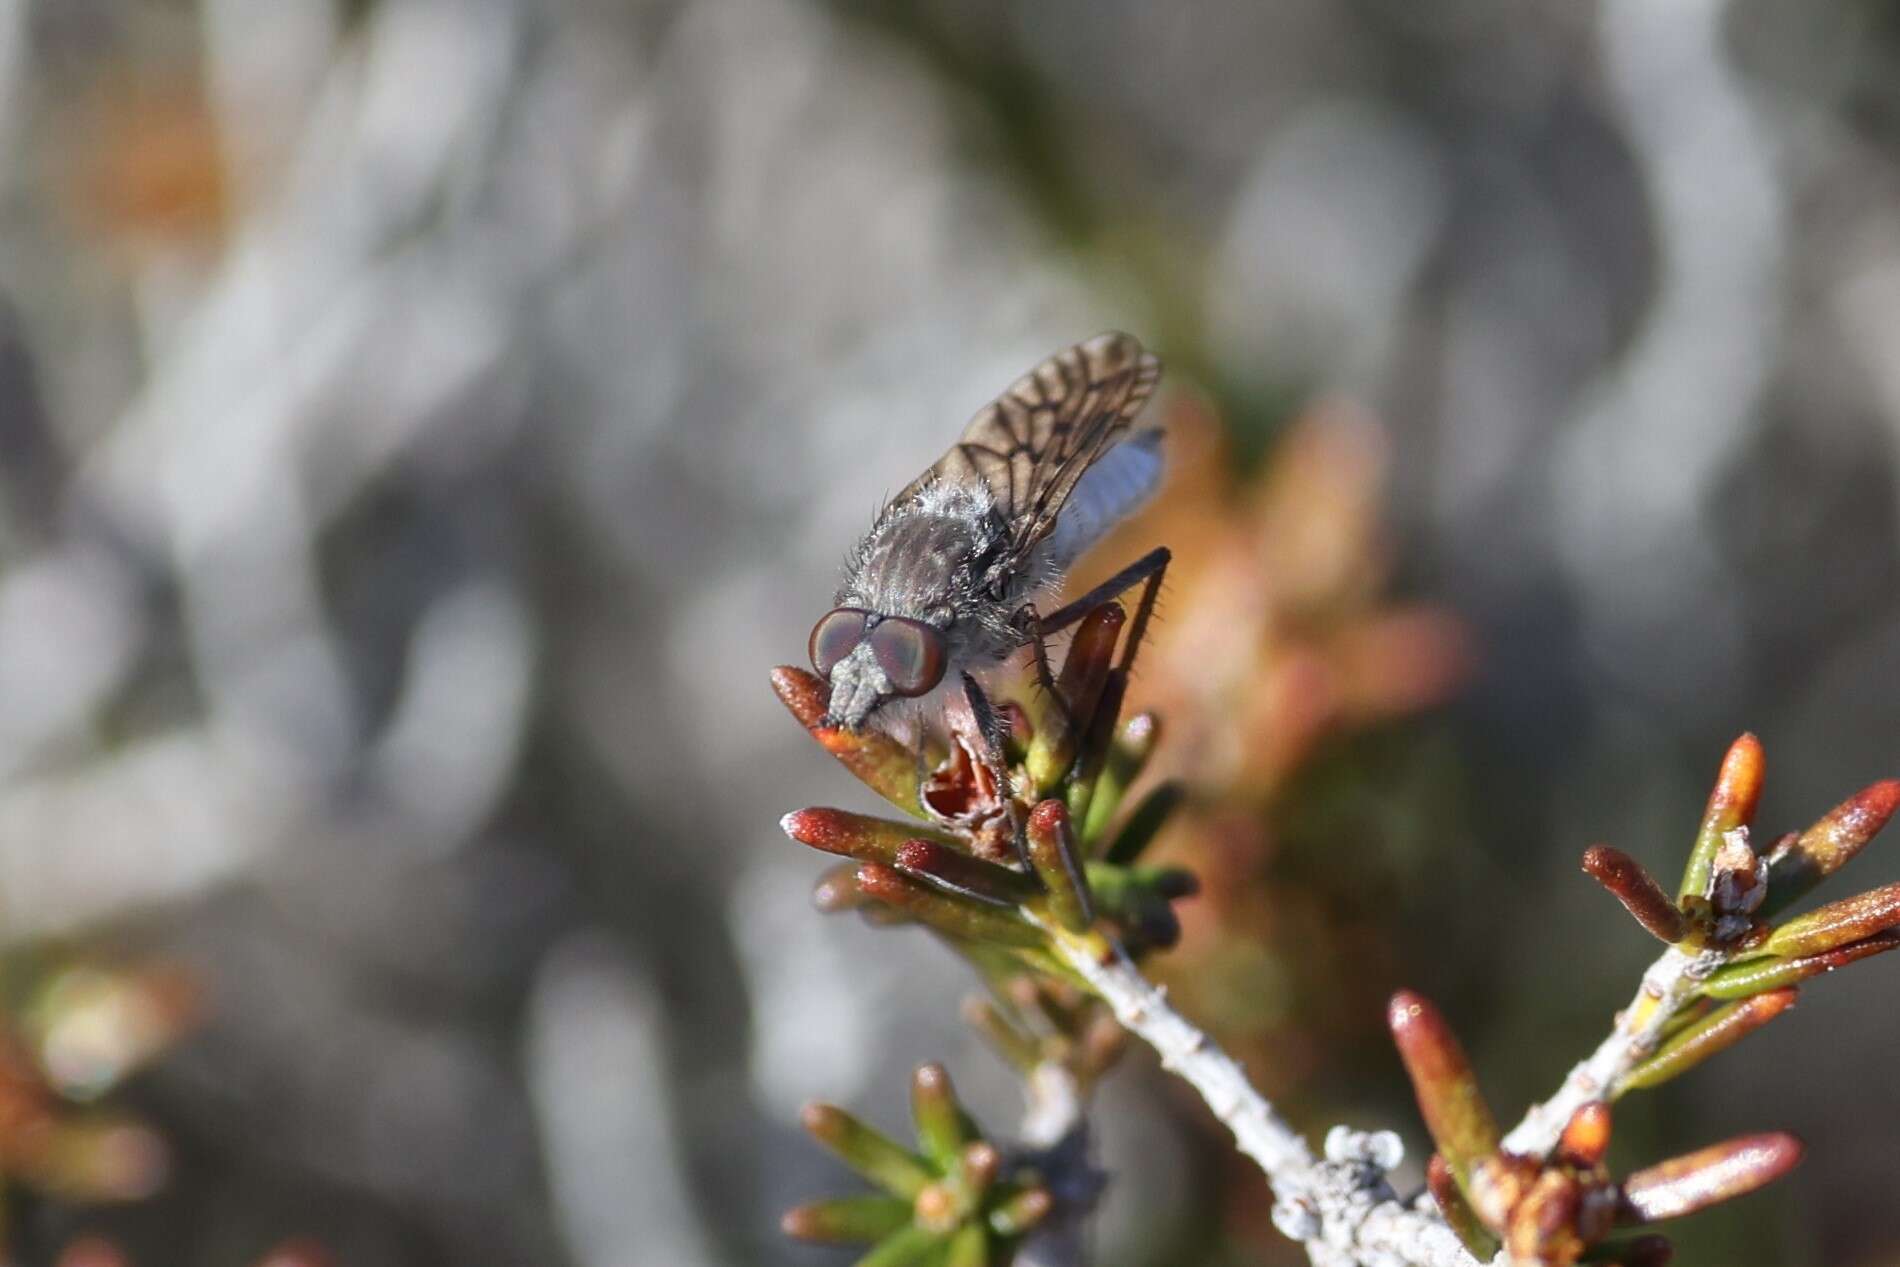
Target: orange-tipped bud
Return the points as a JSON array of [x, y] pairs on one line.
[[1731, 805], [1586, 1137]]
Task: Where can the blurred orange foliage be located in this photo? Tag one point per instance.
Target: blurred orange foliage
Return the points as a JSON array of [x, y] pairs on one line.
[[1276, 635]]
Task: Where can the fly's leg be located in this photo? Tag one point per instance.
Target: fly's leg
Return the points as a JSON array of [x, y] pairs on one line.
[[1146, 571], [991, 725], [1067, 734], [1035, 630]]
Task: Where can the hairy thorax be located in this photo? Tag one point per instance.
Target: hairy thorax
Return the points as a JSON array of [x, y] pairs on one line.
[[931, 560], [940, 557]]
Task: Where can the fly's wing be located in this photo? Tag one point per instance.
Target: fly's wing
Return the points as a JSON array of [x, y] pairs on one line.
[[1108, 492], [1034, 442]]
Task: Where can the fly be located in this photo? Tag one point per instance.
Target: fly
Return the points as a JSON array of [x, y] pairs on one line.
[[945, 583]]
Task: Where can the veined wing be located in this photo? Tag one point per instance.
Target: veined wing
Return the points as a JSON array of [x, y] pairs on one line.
[[1115, 487], [1031, 444]]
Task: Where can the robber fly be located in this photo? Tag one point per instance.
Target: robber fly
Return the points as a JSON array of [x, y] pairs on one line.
[[946, 581]]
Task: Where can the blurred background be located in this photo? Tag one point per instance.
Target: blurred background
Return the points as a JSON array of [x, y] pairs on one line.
[[423, 422]]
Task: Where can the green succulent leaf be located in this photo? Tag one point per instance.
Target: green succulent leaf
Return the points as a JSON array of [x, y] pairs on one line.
[[1717, 1031], [872, 1154], [858, 1219], [908, 1247], [1144, 824]]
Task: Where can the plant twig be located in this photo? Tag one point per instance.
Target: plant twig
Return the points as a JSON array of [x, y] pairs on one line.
[[1341, 1209], [1054, 1107], [1142, 1007], [1666, 986]]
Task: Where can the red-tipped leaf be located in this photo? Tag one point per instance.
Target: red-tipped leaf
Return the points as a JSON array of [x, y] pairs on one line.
[[1053, 853], [1455, 1112], [959, 873], [958, 917], [1640, 895], [856, 835], [1708, 1177], [886, 766], [1825, 848]]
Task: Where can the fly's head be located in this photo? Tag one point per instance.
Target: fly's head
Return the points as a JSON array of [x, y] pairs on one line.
[[917, 604], [871, 658]]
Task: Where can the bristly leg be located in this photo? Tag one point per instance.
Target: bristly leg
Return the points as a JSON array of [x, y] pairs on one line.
[[1035, 631], [1150, 567], [1070, 699], [992, 726], [1145, 609]]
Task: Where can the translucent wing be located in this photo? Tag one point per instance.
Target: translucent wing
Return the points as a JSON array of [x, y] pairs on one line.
[[1031, 444], [1120, 481]]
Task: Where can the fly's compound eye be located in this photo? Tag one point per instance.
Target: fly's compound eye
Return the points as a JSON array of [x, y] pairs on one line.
[[911, 654], [836, 634]]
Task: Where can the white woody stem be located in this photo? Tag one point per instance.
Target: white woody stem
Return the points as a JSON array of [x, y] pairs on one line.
[[1666, 986], [1342, 1209], [1143, 1009], [1054, 1106]]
